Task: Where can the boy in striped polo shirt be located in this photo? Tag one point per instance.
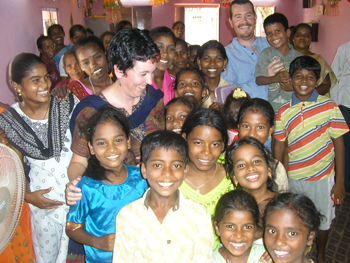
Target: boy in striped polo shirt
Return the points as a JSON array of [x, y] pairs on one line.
[[313, 127]]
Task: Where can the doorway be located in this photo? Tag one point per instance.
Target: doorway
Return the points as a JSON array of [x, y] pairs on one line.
[[201, 22]]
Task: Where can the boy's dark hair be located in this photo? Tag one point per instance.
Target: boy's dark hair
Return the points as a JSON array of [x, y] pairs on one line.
[[209, 45], [276, 18], [131, 45], [104, 114], [270, 161], [307, 63], [229, 109], [89, 40], [206, 117], [237, 200], [182, 42], [182, 100], [161, 31], [49, 30], [122, 24], [303, 207], [241, 2], [76, 28], [178, 22], [40, 40], [257, 105], [163, 139]]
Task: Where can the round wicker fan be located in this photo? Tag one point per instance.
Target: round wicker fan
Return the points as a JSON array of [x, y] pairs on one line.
[[12, 190]]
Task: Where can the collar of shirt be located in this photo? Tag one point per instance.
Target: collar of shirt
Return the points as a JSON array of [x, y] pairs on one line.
[[312, 98], [260, 43], [176, 205]]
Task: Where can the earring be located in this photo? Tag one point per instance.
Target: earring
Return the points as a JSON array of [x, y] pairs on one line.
[[224, 68], [19, 94], [199, 66], [269, 174]]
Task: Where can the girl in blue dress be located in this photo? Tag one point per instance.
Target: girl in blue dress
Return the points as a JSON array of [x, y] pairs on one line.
[[108, 185]]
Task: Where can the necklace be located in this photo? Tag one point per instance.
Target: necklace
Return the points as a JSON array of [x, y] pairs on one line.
[[92, 85], [46, 111], [199, 187]]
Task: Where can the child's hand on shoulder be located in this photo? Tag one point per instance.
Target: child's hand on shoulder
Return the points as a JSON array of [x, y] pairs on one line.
[[338, 192], [73, 193], [105, 243]]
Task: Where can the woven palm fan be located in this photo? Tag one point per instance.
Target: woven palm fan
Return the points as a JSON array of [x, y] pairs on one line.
[[12, 190]]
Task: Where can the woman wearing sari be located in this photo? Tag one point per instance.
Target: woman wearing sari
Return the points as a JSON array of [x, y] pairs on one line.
[[132, 56], [301, 41], [37, 129], [88, 55]]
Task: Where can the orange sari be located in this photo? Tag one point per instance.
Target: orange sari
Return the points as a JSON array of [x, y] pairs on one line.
[[21, 247]]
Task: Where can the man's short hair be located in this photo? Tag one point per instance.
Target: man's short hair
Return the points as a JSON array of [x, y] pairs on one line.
[[241, 2]]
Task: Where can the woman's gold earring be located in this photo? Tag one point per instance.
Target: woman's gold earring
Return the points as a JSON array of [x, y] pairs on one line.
[[199, 66]]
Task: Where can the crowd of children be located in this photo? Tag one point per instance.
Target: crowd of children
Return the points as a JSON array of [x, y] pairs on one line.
[[251, 180]]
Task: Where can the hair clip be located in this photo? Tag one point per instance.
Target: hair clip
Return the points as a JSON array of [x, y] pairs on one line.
[[238, 94]]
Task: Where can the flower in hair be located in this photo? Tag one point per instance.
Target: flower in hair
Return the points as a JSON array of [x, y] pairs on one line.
[[238, 94]]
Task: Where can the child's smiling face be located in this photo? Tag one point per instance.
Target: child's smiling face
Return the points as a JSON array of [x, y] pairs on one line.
[[165, 171], [205, 144], [250, 168], [190, 86], [212, 63], [166, 47], [304, 82], [110, 145], [237, 233], [277, 36], [286, 238], [175, 117], [256, 125]]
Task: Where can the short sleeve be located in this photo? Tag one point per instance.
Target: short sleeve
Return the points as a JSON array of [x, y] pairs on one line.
[[262, 64], [280, 132], [337, 124], [78, 212]]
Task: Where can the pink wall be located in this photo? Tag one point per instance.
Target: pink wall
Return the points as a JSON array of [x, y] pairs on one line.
[[97, 8], [164, 15], [333, 30], [21, 25]]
